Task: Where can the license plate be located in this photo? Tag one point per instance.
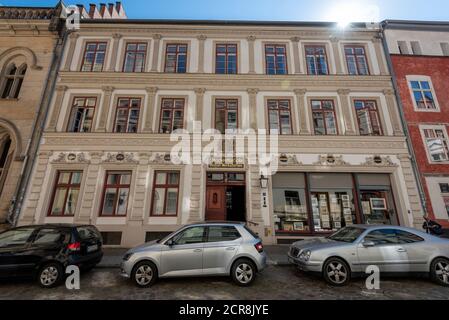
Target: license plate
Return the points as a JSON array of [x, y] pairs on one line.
[[92, 248]]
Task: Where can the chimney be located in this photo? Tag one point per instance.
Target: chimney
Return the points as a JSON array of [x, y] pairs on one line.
[[113, 11], [93, 12], [120, 10], [104, 12]]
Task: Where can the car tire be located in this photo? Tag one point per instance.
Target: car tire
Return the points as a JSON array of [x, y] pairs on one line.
[[336, 272], [50, 275], [144, 274], [439, 271], [243, 272]]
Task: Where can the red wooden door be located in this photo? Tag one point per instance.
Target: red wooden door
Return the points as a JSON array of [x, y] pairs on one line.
[[216, 204]]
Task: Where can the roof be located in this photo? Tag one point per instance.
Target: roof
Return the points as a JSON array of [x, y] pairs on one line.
[[416, 25]]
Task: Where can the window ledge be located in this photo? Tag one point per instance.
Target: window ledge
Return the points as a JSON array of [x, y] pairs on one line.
[[9, 99]]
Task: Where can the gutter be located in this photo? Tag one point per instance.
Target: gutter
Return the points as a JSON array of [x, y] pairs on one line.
[[39, 126], [411, 150]]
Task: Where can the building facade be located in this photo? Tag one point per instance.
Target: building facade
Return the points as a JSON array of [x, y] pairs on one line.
[[28, 40], [420, 61], [125, 85]]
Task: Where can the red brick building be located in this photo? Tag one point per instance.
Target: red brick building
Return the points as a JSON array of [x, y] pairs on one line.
[[419, 54]]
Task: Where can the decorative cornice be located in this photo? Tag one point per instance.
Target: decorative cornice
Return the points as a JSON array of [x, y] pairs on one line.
[[24, 13], [331, 160], [379, 161], [120, 157], [70, 158]]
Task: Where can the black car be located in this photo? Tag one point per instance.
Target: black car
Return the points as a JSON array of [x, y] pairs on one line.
[[43, 252]]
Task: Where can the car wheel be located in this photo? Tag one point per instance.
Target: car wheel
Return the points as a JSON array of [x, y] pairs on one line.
[[336, 272], [50, 275], [439, 271], [243, 272], [144, 274]]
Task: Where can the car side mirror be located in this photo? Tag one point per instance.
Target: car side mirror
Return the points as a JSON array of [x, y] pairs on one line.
[[368, 244], [170, 243]]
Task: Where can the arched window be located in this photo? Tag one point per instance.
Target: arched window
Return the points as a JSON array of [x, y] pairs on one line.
[[5, 158], [12, 81]]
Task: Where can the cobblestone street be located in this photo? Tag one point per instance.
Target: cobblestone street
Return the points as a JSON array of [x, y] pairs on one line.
[[277, 283]]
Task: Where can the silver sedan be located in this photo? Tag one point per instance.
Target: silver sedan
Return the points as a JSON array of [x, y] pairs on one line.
[[209, 249], [394, 250]]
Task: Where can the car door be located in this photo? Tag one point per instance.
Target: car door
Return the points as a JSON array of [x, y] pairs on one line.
[[14, 246], [418, 250], [185, 256], [220, 248], [386, 253]]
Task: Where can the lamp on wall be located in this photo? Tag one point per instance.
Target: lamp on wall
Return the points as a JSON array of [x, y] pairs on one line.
[[263, 182]]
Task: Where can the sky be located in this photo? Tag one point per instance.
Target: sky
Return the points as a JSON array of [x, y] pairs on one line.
[[274, 10]]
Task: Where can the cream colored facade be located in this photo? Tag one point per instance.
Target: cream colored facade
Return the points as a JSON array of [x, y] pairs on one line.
[[27, 43], [143, 152]]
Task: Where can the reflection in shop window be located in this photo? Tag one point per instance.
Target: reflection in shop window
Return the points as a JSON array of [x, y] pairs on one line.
[[290, 210], [446, 204], [437, 144]]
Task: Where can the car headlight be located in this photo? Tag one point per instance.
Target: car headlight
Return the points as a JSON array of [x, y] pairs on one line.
[[305, 255], [127, 256]]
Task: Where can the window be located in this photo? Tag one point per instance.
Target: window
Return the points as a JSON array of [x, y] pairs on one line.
[[382, 237], [176, 58], [316, 60], [402, 46], [65, 193], [279, 115], [437, 144], [226, 59], [17, 237], [88, 232], [165, 194], [226, 114], [445, 48], [446, 204], [12, 81], [405, 237], [276, 59], [324, 119], [416, 48], [356, 60], [82, 115], [111, 238], [444, 187], [127, 115], [368, 118], [49, 236], [116, 193], [422, 93], [135, 55], [222, 233], [190, 236], [94, 56], [172, 115]]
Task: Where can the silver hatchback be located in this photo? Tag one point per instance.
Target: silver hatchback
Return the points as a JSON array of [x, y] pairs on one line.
[[393, 250], [209, 249]]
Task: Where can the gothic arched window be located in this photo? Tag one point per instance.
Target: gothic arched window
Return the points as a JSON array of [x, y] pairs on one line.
[[12, 81]]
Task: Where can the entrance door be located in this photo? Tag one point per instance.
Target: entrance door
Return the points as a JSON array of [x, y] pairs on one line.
[[216, 203], [235, 204]]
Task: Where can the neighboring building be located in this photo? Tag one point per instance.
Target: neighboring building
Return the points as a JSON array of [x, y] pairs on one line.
[[420, 61], [28, 40], [124, 85]]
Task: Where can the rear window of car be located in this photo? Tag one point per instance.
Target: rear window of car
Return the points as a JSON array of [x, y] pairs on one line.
[[50, 236], [88, 232], [251, 232], [222, 233]]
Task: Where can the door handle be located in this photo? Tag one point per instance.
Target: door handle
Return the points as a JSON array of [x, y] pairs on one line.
[[230, 249], [401, 250], [197, 250]]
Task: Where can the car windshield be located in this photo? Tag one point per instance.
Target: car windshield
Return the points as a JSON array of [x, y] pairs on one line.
[[348, 234]]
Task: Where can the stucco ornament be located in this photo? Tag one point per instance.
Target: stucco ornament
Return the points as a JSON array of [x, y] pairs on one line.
[[331, 160], [70, 158], [120, 157], [379, 161]]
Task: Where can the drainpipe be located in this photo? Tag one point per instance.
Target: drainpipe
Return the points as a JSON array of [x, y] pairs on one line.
[[39, 125], [403, 121]]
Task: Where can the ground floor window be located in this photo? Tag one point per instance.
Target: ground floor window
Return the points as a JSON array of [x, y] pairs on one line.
[[323, 203], [165, 194], [116, 193], [65, 193]]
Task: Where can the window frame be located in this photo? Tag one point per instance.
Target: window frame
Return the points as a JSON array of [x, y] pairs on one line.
[[422, 129], [321, 46], [117, 187], [377, 111], [334, 111], [67, 187], [16, 80], [419, 78], [276, 45], [226, 55], [135, 52], [226, 110], [173, 108], [165, 186], [97, 43], [129, 108], [365, 55], [177, 44], [290, 111], [85, 106]]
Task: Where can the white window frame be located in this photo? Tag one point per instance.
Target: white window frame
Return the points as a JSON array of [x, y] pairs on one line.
[[411, 78], [433, 127]]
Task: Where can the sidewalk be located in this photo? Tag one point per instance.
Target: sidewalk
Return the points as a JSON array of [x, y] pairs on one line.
[[277, 255]]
